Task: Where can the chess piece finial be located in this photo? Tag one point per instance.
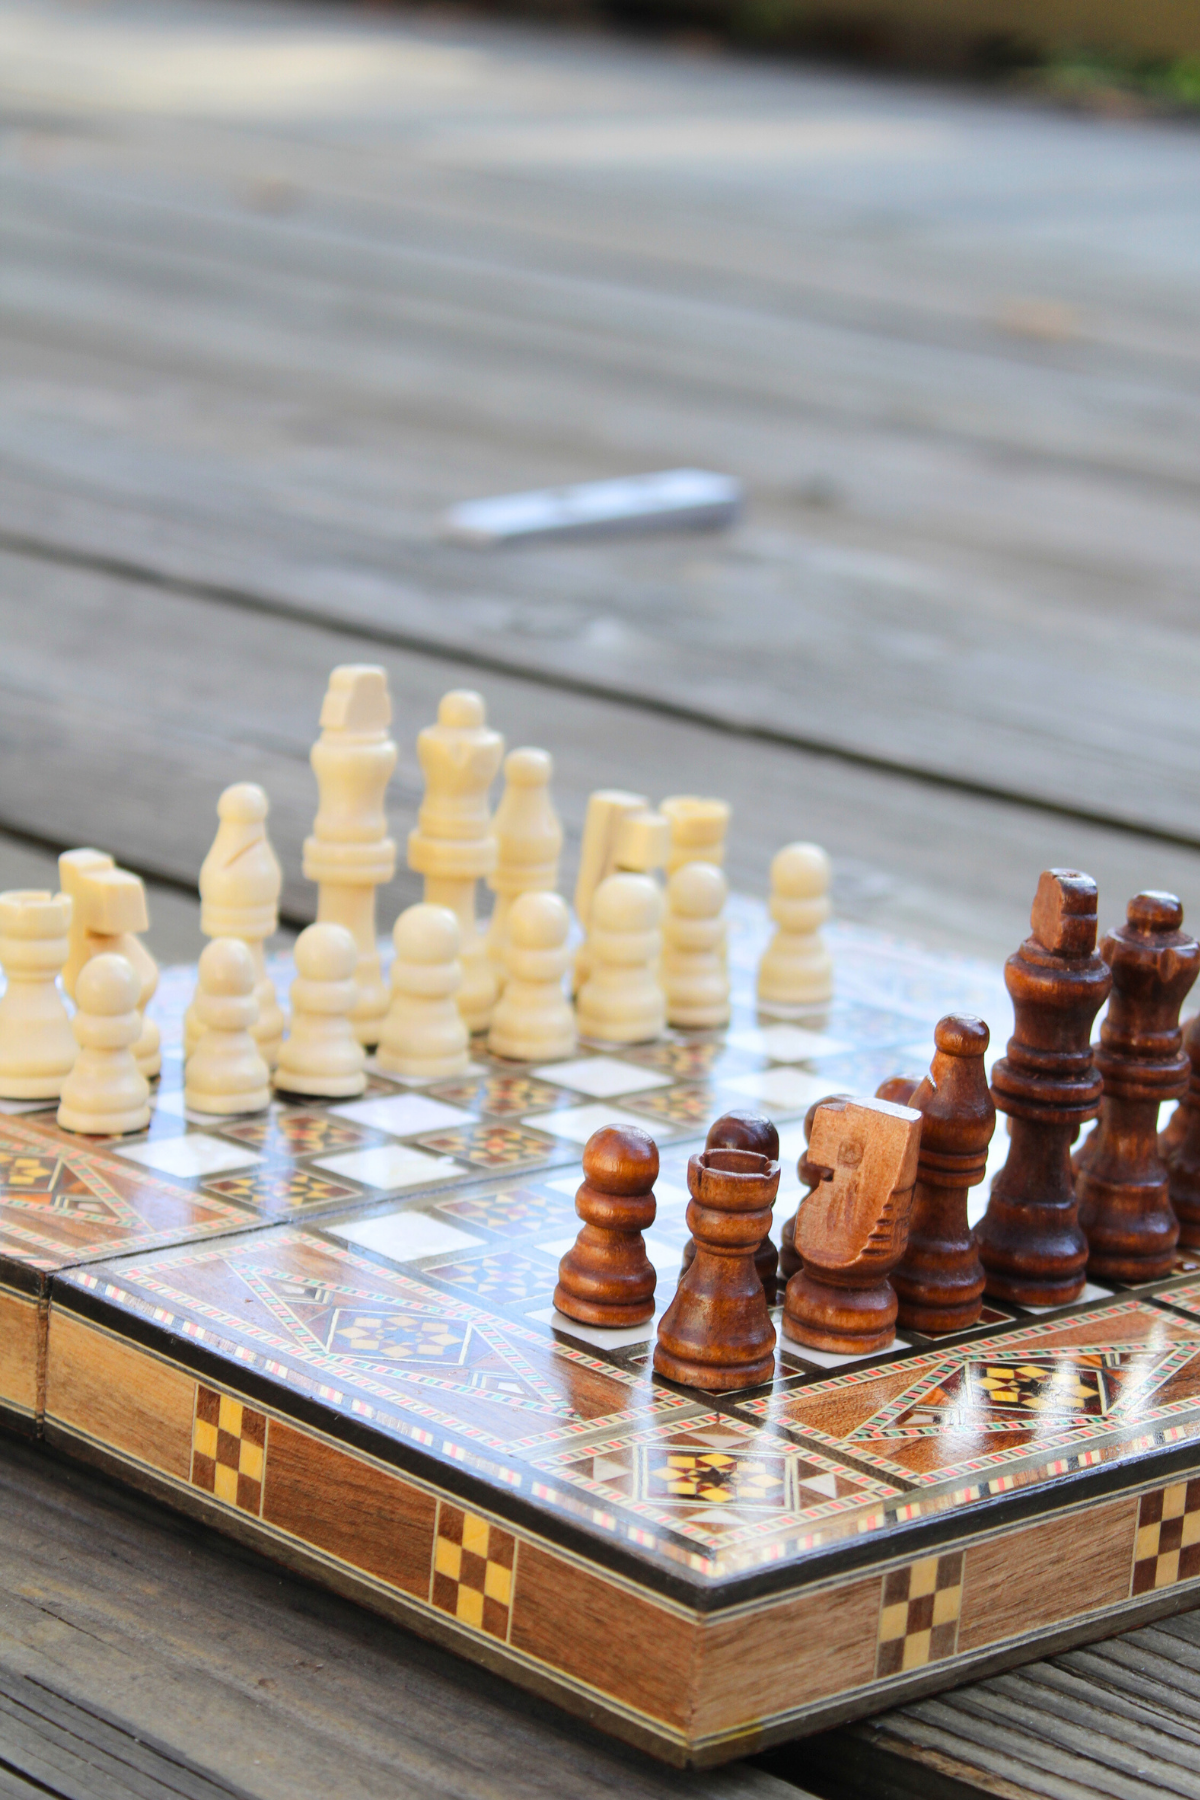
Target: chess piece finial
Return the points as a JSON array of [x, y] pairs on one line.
[[810, 1175], [453, 843], [1179, 1146], [606, 1278], [240, 883], [321, 1054], [621, 835], [698, 829], [106, 1093], [1032, 1249], [739, 1130], [37, 1045], [108, 911], [851, 1230], [424, 1033], [1121, 1185], [621, 1002], [795, 971], [529, 839], [695, 974], [226, 1073], [533, 1020], [349, 853], [939, 1279], [717, 1333]]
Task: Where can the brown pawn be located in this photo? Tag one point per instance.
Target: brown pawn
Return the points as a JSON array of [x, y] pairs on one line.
[[789, 1256], [1179, 1147], [606, 1278], [851, 1230], [1030, 1244], [1124, 1209], [744, 1131], [717, 1333], [939, 1279]]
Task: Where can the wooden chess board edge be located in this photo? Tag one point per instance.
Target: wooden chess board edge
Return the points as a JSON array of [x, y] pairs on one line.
[[23, 1332], [691, 1687]]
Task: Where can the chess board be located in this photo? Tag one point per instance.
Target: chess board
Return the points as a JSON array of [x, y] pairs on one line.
[[328, 1330]]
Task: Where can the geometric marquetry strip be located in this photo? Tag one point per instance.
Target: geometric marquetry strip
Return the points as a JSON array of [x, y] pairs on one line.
[[228, 1440], [918, 1614], [1167, 1547], [473, 1566]]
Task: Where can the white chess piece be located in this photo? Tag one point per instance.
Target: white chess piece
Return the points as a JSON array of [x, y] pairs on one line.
[[695, 973], [796, 971], [698, 829], [529, 840], [424, 1034], [621, 1002], [349, 853], [37, 1045], [621, 834], [106, 1093], [226, 1072], [533, 1020], [240, 880], [108, 910], [321, 1054], [453, 843]]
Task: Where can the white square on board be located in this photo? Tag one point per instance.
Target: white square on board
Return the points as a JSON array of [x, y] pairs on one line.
[[578, 1122], [828, 1360], [792, 1090], [373, 1067], [405, 1236], [195, 1154], [788, 1043], [557, 1246], [593, 1334], [390, 1166], [1090, 1292], [402, 1115], [603, 1076]]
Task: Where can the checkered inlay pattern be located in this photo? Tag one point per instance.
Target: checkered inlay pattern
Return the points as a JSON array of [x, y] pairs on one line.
[[1167, 1547], [473, 1565], [228, 1449], [918, 1614]]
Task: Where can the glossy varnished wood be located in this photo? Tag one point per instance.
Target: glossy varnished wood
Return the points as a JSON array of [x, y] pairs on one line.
[[606, 1278], [745, 1131]]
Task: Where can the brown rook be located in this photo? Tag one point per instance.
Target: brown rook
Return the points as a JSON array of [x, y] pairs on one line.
[[606, 1278], [1179, 1147], [939, 1279], [851, 1230], [1030, 1243], [745, 1131], [717, 1333], [1124, 1208]]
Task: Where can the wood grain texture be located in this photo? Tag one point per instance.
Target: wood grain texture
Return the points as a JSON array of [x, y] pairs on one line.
[[343, 1505], [805, 1648], [21, 1333], [1025, 1581], [119, 1396]]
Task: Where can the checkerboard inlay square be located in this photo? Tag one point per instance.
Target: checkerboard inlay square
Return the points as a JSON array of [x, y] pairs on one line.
[[473, 1564], [918, 1614], [228, 1449], [1167, 1546]]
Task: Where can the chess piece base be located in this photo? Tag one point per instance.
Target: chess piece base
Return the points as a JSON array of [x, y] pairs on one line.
[[602, 1312], [713, 1381], [321, 1087], [846, 1321], [1131, 1232]]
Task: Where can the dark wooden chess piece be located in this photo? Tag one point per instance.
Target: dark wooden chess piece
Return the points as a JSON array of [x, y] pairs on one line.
[[1179, 1147], [852, 1229], [606, 1278], [1124, 1209], [745, 1131], [1030, 1243], [789, 1256], [717, 1333], [939, 1279]]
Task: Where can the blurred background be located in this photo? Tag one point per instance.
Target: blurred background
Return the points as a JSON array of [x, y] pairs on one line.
[[279, 285]]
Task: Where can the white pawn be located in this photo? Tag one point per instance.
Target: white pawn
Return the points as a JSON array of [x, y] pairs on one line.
[[322, 1054], [621, 1001], [240, 881], [225, 1072], [695, 973], [424, 1034], [108, 910], [106, 1093], [533, 1020], [37, 1045], [796, 970], [529, 837]]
